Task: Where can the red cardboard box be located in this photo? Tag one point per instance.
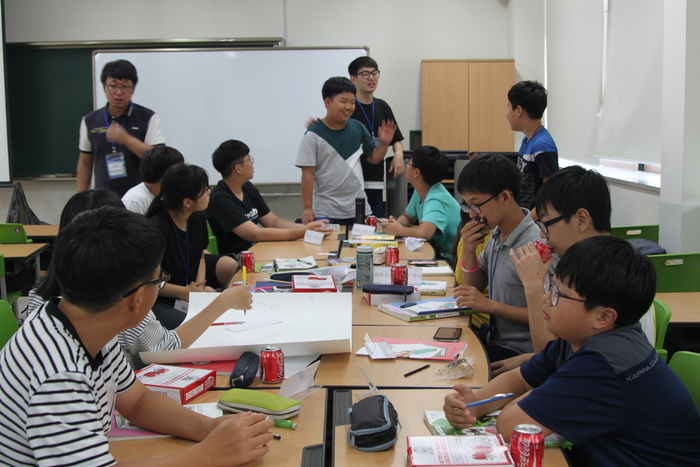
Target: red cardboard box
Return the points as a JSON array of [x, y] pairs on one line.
[[178, 383], [314, 283]]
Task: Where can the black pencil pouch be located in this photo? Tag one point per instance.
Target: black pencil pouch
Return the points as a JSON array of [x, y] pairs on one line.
[[287, 276], [387, 288], [373, 424], [245, 370]]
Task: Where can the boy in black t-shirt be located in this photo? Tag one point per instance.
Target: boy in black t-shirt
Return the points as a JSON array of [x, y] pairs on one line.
[[236, 208], [371, 112]]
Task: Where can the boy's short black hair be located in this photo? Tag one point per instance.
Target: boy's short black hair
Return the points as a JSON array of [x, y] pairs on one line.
[[102, 254], [360, 63], [227, 155], [337, 85], [156, 161], [433, 164], [531, 96], [573, 188], [119, 69], [608, 271], [86, 200], [491, 174]]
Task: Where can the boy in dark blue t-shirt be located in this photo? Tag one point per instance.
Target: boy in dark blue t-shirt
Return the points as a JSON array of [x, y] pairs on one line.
[[600, 384], [538, 158]]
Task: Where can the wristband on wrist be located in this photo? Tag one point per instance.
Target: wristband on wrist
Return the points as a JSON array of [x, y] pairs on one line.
[[461, 266]]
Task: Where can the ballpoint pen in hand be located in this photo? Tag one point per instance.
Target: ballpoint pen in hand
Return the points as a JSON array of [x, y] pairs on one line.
[[493, 398]]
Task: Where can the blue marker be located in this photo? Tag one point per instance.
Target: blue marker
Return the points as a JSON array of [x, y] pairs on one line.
[[406, 305], [496, 397]]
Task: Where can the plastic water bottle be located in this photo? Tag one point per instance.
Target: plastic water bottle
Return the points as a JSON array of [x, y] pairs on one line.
[[365, 268]]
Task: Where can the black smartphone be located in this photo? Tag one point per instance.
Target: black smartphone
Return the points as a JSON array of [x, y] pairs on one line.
[[447, 334]]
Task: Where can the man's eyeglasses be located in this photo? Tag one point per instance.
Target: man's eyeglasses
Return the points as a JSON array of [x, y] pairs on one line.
[[544, 226], [475, 208], [549, 286], [115, 88], [250, 158], [160, 282], [366, 74]]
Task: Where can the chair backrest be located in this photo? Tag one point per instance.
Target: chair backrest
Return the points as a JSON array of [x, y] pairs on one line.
[[648, 232], [687, 366], [13, 233], [213, 246], [8, 323], [677, 273], [662, 316]]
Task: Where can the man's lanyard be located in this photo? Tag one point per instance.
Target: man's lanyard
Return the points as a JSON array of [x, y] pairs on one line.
[[494, 259], [370, 123], [185, 259], [126, 117]]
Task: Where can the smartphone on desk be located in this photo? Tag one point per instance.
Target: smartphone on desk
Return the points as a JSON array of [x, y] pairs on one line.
[[447, 334]]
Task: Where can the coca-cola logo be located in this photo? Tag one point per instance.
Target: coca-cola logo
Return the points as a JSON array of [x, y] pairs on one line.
[[524, 445]]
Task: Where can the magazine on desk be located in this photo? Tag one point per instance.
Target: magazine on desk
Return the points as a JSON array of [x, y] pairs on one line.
[[444, 307], [298, 264], [432, 451]]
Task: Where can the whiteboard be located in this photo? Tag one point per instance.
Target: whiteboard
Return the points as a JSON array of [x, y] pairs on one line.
[[311, 324], [262, 97]]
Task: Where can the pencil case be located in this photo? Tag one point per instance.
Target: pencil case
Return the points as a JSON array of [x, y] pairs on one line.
[[387, 288], [287, 276], [244, 400], [245, 370], [373, 424]]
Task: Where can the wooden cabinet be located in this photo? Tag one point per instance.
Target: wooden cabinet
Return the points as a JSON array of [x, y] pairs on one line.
[[464, 104]]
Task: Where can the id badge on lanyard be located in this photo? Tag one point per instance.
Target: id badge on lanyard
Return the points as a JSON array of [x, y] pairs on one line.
[[116, 165], [116, 162]]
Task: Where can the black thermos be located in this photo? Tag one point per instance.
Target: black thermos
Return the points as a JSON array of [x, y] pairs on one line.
[[359, 210]]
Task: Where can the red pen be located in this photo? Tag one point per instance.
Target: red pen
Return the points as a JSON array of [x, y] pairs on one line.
[[226, 324]]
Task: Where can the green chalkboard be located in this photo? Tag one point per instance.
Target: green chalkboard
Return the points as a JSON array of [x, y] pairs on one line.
[[48, 91]]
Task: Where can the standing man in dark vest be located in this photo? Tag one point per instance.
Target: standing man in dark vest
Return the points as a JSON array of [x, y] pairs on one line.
[[113, 138]]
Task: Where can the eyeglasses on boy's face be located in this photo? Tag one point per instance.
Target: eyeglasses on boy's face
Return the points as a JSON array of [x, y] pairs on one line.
[[544, 226], [160, 282], [550, 286], [366, 74], [115, 88], [475, 208]]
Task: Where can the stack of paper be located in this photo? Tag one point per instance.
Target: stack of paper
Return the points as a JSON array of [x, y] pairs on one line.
[[445, 307]]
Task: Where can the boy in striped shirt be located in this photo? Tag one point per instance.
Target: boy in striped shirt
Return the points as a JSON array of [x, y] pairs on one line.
[[63, 373]]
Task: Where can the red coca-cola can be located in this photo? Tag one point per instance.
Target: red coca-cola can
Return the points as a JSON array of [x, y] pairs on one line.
[[391, 255], [371, 220], [399, 274], [248, 260], [271, 364], [544, 250], [527, 446]]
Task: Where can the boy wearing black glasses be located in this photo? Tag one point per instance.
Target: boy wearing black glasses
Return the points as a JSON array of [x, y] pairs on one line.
[[572, 205], [600, 384], [371, 112], [490, 186], [63, 372]]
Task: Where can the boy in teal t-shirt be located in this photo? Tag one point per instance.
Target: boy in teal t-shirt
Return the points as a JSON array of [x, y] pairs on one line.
[[431, 205]]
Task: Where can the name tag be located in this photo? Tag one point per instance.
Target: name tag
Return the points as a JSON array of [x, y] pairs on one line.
[[116, 165]]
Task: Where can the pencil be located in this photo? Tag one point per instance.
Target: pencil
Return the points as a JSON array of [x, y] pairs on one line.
[[416, 370]]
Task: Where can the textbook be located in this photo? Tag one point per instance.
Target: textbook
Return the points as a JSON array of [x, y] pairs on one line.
[[420, 350], [445, 307], [486, 425], [432, 287], [299, 264], [432, 451], [123, 430]]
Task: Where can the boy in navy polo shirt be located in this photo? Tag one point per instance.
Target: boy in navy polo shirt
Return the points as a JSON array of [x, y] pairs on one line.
[[600, 384]]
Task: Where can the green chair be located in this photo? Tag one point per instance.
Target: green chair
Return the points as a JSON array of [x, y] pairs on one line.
[[13, 233], [677, 273], [647, 232], [10, 297], [8, 323], [687, 366], [213, 246], [662, 316]]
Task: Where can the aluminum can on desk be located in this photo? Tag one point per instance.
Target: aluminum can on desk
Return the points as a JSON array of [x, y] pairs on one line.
[[527, 446], [399, 274], [248, 260], [391, 255], [271, 364]]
